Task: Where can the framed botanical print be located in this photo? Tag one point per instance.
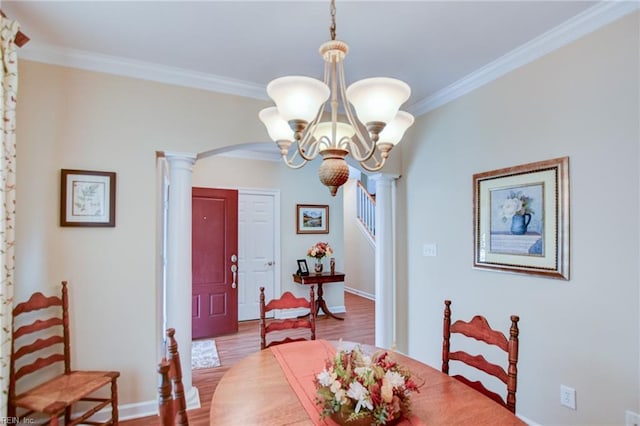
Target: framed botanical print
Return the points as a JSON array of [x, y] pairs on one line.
[[87, 198]]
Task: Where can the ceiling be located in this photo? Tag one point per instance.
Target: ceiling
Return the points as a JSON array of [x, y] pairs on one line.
[[239, 46]]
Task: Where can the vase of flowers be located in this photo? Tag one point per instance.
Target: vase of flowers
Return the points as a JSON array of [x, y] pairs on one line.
[[356, 389], [517, 208], [318, 251]]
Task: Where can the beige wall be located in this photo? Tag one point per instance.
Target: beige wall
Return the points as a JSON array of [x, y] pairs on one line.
[[84, 120], [581, 101]]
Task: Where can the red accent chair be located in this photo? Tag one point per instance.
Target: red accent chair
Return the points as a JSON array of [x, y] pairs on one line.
[[277, 326], [478, 328]]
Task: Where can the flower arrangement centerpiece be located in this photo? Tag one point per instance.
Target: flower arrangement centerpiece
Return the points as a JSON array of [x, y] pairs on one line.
[[355, 389], [318, 251], [517, 208]]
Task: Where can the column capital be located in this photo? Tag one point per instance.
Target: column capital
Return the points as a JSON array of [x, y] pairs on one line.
[[179, 156], [384, 177]]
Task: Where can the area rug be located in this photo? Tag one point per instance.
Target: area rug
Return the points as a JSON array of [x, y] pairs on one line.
[[204, 354]]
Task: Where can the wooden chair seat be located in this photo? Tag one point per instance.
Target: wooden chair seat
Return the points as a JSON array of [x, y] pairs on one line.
[[478, 328], [286, 301], [68, 389]]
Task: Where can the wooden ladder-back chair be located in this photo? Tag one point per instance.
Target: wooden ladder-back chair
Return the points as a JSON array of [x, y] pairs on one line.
[[478, 328], [60, 392], [172, 402], [286, 301]]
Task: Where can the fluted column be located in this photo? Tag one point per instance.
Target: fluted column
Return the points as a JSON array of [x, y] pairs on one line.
[[385, 260], [178, 258]]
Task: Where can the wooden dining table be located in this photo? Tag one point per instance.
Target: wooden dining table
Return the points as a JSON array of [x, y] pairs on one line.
[[256, 391]]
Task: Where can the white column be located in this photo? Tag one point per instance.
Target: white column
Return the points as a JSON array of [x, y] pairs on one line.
[[385, 260], [178, 291]]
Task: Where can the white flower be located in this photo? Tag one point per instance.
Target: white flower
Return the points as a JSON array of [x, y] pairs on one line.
[[361, 371], [341, 396], [326, 378], [335, 386], [359, 393], [394, 378], [510, 207]]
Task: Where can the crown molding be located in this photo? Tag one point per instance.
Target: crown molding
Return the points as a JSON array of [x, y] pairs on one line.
[[138, 69], [580, 25], [593, 18], [253, 155]]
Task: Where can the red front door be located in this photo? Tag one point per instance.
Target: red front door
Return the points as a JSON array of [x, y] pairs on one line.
[[214, 262]]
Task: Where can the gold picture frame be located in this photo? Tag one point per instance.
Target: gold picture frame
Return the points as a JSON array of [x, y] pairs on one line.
[[312, 219], [521, 219]]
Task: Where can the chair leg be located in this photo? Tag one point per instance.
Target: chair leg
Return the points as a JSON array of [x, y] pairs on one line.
[[67, 415], [114, 401]]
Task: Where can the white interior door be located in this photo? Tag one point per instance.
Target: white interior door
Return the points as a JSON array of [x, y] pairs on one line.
[[258, 249]]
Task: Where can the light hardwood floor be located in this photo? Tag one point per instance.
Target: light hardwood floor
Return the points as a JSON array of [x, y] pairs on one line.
[[358, 326]]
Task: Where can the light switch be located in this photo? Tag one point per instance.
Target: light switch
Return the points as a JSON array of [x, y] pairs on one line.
[[429, 249]]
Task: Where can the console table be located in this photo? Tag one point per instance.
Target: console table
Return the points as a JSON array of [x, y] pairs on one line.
[[320, 279]]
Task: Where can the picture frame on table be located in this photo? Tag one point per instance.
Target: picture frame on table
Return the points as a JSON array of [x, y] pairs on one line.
[[521, 219], [87, 198], [303, 268], [312, 219]]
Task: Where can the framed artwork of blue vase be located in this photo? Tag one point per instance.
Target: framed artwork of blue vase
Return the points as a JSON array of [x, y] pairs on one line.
[[521, 219]]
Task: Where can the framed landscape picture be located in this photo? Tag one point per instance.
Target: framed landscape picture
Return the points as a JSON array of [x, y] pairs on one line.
[[312, 219], [521, 219], [87, 198]]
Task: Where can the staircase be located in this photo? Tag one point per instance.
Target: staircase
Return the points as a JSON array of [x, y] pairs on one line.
[[366, 209], [359, 242]]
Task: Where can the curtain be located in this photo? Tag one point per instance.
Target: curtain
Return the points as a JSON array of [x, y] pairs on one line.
[[8, 90]]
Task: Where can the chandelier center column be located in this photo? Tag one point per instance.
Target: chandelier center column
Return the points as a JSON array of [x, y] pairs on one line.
[[178, 258], [385, 276]]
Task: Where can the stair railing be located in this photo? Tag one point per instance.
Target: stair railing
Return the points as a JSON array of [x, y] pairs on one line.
[[366, 209]]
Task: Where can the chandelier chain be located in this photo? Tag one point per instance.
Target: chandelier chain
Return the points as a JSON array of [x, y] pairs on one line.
[[333, 20]]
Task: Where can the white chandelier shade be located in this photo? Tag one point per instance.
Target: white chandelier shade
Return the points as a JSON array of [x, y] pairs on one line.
[[278, 129], [377, 100], [394, 131], [298, 97], [324, 130], [371, 107]]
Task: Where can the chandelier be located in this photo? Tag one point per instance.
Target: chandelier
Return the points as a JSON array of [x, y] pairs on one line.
[[368, 135]]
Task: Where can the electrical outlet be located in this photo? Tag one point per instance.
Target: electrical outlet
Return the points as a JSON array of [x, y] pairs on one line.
[[631, 418], [568, 397]]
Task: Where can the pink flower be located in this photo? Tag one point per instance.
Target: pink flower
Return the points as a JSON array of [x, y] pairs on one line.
[[320, 250]]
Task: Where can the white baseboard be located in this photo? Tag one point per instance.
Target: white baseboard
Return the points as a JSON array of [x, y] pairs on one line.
[[527, 421], [146, 408], [193, 398], [293, 313], [336, 309], [137, 410], [360, 293]]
